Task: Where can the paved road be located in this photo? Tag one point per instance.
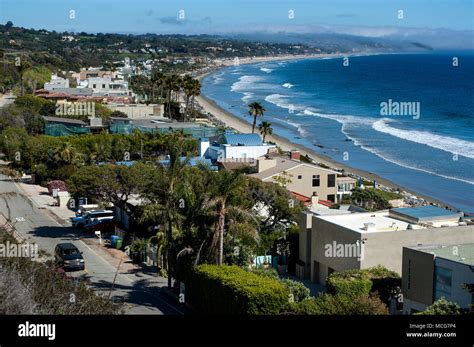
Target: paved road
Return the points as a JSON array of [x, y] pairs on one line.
[[141, 295]]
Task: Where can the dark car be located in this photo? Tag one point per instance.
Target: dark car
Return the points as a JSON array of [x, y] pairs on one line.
[[68, 257]]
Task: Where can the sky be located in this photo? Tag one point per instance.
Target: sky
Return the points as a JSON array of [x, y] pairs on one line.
[[232, 16]]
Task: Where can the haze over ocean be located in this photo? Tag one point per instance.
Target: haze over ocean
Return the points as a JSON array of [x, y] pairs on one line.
[[335, 110]]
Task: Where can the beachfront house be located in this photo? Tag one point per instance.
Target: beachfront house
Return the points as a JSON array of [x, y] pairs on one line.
[[339, 242], [303, 179], [230, 147], [434, 271]]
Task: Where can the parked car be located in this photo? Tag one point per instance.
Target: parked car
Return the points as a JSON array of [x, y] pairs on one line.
[[87, 218], [100, 223], [83, 209], [68, 256]]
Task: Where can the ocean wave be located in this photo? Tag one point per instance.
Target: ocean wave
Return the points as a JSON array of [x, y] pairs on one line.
[[247, 96], [444, 143], [348, 120], [279, 100], [283, 101], [288, 85], [245, 82], [388, 158], [267, 70]]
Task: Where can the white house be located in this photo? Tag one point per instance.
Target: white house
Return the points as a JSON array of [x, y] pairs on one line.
[[56, 83], [238, 147]]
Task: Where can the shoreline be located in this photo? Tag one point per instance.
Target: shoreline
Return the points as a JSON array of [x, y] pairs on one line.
[[285, 144]]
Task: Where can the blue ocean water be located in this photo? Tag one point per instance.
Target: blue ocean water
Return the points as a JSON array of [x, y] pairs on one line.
[[336, 111]]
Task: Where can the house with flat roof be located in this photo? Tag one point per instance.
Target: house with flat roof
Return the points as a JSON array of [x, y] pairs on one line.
[[434, 271], [303, 178], [341, 242], [234, 147], [56, 83]]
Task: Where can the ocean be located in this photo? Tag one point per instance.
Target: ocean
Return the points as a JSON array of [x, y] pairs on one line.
[[406, 117]]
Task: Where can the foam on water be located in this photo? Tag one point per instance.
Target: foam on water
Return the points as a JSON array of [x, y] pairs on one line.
[[444, 143]]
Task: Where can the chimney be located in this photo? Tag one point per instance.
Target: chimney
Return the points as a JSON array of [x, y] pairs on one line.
[[314, 199], [295, 155], [370, 227]]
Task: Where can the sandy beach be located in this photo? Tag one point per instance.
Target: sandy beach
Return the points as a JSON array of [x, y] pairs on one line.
[[238, 124]]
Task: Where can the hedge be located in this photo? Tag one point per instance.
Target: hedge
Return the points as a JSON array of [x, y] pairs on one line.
[[327, 304], [363, 282], [229, 289]]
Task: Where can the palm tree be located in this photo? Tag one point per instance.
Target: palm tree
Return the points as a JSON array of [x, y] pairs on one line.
[[228, 185], [162, 191], [265, 129], [65, 153], [255, 109], [194, 91], [22, 68], [158, 80]]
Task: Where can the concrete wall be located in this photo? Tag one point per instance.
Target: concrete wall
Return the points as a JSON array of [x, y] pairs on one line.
[[325, 233], [379, 248], [304, 186], [305, 241], [386, 247], [138, 110], [417, 278]]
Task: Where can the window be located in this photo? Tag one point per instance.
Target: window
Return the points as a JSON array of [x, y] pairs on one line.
[[300, 177], [332, 198], [103, 86], [316, 180], [94, 86], [332, 180], [443, 278]]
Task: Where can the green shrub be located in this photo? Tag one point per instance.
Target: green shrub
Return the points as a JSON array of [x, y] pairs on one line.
[[299, 290], [328, 304], [442, 307], [377, 279], [232, 290], [351, 287], [268, 272]]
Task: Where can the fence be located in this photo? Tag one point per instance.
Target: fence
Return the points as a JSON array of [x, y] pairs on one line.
[[63, 130], [195, 132], [10, 229]]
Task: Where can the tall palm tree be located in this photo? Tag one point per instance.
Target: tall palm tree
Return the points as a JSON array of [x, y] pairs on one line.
[[265, 129], [158, 81], [255, 110], [162, 191], [22, 68], [194, 91], [228, 185]]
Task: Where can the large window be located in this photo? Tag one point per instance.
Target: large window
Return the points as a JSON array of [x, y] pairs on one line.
[[316, 181], [331, 180], [443, 278]]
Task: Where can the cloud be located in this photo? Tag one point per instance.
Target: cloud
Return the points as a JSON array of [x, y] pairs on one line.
[[181, 22], [172, 21], [346, 15]]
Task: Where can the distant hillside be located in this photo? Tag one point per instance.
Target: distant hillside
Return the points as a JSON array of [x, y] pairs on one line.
[[70, 51], [333, 42]]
